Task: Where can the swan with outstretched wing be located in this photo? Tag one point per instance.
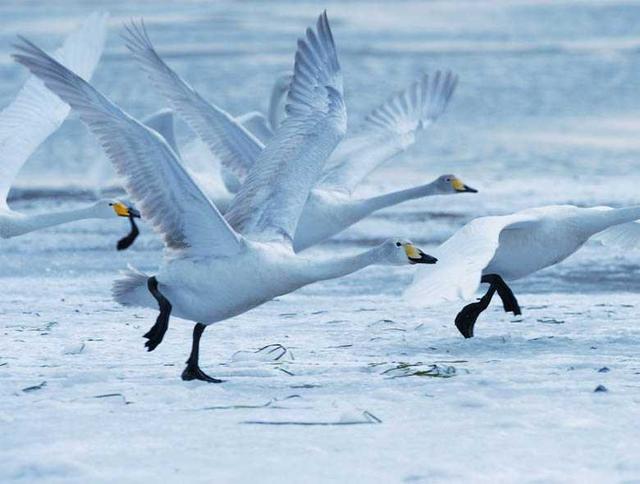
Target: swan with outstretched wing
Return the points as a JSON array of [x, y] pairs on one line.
[[331, 207], [211, 271], [32, 117]]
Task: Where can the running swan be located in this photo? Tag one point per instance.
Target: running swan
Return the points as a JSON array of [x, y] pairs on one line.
[[331, 207], [494, 249], [210, 271], [34, 115]]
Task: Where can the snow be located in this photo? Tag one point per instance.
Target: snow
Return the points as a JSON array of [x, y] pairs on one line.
[[343, 381], [335, 401]]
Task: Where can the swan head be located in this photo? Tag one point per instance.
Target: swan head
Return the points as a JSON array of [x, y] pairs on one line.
[[453, 184], [108, 207], [402, 252]]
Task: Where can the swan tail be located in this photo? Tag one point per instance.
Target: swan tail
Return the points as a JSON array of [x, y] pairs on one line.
[[131, 289]]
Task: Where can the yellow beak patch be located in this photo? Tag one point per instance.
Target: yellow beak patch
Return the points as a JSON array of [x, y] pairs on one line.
[[411, 251], [457, 184], [121, 209]]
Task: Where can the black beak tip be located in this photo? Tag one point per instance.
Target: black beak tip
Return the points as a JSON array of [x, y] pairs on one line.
[[424, 259], [468, 189]]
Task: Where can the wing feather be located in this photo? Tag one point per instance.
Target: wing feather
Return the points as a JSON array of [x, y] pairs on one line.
[[163, 191], [271, 200], [228, 139], [461, 260], [388, 130], [36, 112]]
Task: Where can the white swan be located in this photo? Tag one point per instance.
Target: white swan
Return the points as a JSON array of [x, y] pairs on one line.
[[210, 271], [331, 208], [509, 247], [34, 115], [261, 126], [218, 190]]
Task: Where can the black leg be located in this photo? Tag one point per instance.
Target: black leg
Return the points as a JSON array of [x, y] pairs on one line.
[[125, 242], [157, 331], [509, 301], [466, 319], [193, 371]]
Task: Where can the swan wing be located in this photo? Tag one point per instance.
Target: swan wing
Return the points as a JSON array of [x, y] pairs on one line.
[[36, 112], [624, 236], [461, 260], [271, 199], [389, 130], [160, 187], [231, 142]]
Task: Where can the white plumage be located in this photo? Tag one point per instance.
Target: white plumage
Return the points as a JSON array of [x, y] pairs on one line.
[[33, 116], [330, 207], [515, 246], [210, 271]]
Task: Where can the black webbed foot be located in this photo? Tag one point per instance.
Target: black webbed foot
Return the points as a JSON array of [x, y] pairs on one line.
[[510, 304], [193, 372], [509, 301], [157, 331], [466, 319]]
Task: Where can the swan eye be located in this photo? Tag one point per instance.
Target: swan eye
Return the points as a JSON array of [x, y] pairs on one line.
[[398, 244]]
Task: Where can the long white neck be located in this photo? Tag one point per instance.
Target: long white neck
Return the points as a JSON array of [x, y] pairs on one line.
[[370, 205], [332, 268], [276, 102], [29, 223]]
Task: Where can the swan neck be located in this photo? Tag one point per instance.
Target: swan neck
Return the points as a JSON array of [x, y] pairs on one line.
[[43, 220], [276, 107], [394, 198], [332, 268]]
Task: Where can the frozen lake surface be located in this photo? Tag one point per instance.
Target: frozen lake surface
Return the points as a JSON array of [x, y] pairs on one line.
[[342, 381]]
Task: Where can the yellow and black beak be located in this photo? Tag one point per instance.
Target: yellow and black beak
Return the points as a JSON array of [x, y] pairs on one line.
[[123, 211], [460, 187], [416, 256]]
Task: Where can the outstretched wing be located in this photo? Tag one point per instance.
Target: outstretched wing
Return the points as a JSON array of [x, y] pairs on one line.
[[271, 199], [461, 260], [625, 237], [388, 130], [234, 145], [160, 187], [36, 112]]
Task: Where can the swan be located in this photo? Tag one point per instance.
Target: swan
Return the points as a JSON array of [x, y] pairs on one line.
[[34, 115], [212, 272], [219, 191], [496, 249], [331, 207], [261, 126]]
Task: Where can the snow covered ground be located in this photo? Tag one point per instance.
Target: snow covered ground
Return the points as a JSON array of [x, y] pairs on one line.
[[342, 381]]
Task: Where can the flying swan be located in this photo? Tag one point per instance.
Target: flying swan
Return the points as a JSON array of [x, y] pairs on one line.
[[210, 271], [330, 208], [496, 249], [34, 115]]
